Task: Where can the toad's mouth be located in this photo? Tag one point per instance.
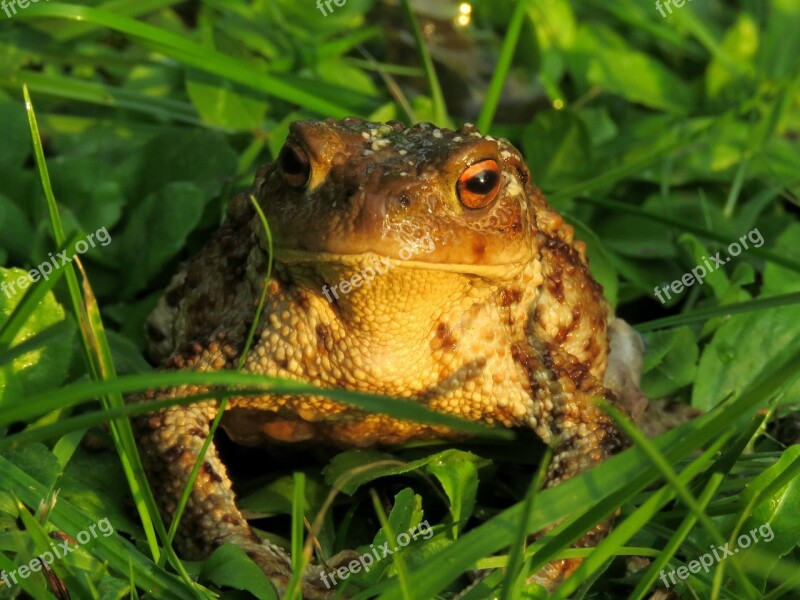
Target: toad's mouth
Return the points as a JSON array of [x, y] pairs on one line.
[[506, 270]]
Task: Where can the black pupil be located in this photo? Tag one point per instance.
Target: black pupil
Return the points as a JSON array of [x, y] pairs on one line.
[[292, 163], [483, 182]]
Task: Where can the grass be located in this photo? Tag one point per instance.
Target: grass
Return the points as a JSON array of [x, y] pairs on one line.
[[662, 140]]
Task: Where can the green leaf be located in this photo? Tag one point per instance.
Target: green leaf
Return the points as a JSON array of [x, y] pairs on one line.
[[14, 147], [459, 478], [775, 515], [338, 72], [157, 230], [716, 277], [275, 498], [15, 228], [403, 521], [352, 469], [201, 157], [223, 104], [37, 461], [554, 23], [127, 357], [557, 148], [120, 554], [193, 54], [603, 58], [670, 362], [746, 344], [91, 192], [95, 482], [229, 566], [742, 347], [779, 55], [741, 43], [44, 368]]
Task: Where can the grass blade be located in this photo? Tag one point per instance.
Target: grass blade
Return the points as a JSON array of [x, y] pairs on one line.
[[100, 365], [439, 108], [202, 57], [495, 89], [84, 391], [703, 314], [113, 549]]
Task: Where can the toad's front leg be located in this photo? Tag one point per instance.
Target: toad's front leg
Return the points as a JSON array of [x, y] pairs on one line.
[[170, 442], [583, 437]]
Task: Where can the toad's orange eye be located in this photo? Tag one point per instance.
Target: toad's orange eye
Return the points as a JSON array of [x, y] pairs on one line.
[[479, 184], [295, 165]]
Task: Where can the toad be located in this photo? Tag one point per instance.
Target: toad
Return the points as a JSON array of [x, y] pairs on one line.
[[413, 262]]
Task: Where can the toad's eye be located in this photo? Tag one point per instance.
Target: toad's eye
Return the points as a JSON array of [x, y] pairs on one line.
[[479, 184], [295, 165]]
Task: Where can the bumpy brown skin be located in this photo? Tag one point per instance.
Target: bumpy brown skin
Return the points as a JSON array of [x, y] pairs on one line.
[[495, 316]]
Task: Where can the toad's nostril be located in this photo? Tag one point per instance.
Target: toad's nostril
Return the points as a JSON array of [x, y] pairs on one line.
[[405, 200]]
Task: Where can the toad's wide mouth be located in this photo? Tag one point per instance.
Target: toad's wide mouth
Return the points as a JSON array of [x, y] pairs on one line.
[[358, 260]]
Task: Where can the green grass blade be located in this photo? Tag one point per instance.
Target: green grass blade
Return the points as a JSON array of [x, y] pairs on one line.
[[661, 463], [703, 314], [95, 418], [117, 552], [718, 472], [610, 546], [293, 590], [407, 410], [201, 57], [100, 364], [633, 166], [91, 92], [517, 553], [439, 108], [640, 18], [128, 8], [397, 560], [43, 338], [495, 89]]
